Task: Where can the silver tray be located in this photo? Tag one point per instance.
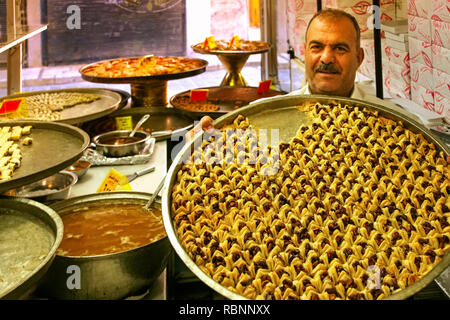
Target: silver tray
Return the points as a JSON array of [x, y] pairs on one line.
[[161, 124], [55, 147], [109, 101], [281, 113]]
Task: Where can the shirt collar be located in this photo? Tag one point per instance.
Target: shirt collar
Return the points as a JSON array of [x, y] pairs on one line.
[[356, 92]]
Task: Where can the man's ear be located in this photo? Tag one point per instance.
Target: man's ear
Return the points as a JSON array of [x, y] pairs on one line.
[[360, 56]]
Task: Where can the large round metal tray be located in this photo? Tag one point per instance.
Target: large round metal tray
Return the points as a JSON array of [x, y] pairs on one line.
[[55, 147], [162, 120], [143, 79], [227, 98], [281, 113], [32, 210], [109, 101]]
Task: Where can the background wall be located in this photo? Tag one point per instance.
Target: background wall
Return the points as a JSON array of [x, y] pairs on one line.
[[110, 29]]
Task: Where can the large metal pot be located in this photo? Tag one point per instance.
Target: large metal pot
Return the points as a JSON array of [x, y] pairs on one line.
[[32, 210], [110, 276], [282, 114]]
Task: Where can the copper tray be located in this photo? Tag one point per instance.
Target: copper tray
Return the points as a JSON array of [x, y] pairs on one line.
[[55, 146], [281, 113], [226, 98], [162, 120], [198, 49], [109, 101], [142, 79]]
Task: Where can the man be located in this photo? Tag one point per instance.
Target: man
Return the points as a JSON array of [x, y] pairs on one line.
[[332, 58], [332, 54]]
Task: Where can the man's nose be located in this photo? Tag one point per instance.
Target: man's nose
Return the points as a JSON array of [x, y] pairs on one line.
[[327, 56]]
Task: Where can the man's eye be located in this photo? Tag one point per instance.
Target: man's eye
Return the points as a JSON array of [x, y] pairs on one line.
[[341, 49]]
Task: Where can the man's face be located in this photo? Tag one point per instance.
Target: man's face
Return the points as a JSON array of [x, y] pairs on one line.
[[332, 56]]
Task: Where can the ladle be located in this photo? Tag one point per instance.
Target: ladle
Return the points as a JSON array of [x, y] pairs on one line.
[[155, 194], [140, 123]]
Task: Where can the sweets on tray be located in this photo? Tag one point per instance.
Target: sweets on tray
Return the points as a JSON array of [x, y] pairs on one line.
[[356, 206]]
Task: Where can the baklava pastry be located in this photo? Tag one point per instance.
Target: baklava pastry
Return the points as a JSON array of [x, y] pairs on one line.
[[355, 206]]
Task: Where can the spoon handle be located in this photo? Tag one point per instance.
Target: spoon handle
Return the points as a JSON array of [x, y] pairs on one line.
[[155, 194], [143, 119]]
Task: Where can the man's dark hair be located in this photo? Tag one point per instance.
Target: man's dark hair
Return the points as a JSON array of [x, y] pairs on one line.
[[336, 13]]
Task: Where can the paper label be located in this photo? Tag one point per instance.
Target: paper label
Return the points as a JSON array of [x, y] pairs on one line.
[[17, 106], [264, 86], [124, 123], [147, 59], [209, 43], [199, 94], [114, 181], [235, 42]]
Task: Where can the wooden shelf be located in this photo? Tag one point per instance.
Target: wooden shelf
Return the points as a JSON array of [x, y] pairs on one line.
[[18, 38]]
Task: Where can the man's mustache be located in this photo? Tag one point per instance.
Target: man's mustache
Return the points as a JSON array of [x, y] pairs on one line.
[[327, 67]]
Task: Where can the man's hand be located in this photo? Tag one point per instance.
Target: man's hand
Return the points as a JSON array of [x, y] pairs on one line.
[[205, 123]]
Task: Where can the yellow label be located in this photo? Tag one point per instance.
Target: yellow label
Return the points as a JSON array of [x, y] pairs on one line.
[[273, 86], [114, 181], [147, 59], [235, 42], [209, 43], [124, 123]]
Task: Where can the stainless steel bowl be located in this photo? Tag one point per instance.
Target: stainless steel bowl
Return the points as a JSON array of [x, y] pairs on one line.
[[110, 276], [281, 113], [79, 167], [55, 187], [33, 212], [120, 150]]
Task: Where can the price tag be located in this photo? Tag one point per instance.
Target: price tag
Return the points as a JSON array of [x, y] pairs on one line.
[[264, 86], [199, 94], [114, 181], [235, 42], [147, 58], [18, 106], [209, 43], [124, 123]]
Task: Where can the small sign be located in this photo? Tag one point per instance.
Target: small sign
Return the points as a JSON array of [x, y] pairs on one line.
[[264, 86], [114, 181], [124, 123], [209, 43], [18, 107], [9, 106], [199, 94], [235, 42], [147, 58]]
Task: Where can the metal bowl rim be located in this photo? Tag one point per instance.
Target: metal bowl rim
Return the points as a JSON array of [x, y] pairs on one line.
[[58, 237], [63, 172], [105, 134]]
